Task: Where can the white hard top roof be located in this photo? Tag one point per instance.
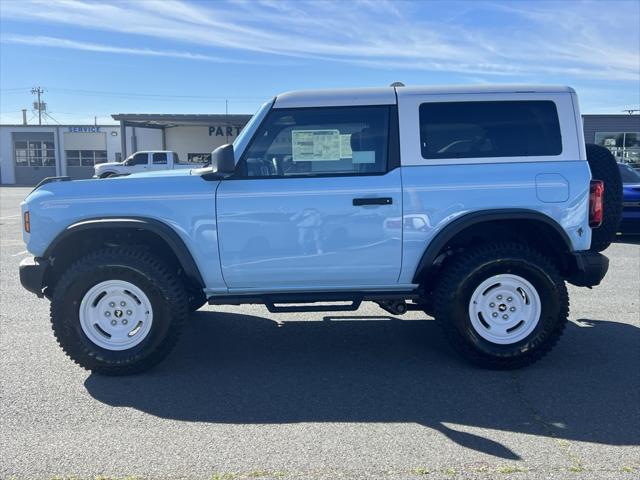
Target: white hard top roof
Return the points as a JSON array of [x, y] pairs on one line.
[[386, 95]]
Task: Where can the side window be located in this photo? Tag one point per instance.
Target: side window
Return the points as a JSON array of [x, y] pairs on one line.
[[489, 129], [159, 158], [139, 159], [320, 141]]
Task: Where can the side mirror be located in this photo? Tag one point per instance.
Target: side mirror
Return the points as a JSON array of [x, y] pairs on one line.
[[223, 160]]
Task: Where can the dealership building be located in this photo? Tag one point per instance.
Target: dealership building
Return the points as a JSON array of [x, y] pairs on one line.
[[29, 153]]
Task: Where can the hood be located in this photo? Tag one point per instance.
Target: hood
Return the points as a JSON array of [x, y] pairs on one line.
[[180, 172], [631, 191], [100, 166], [185, 202]]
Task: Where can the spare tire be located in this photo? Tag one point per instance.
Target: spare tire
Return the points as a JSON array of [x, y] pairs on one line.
[[604, 167]]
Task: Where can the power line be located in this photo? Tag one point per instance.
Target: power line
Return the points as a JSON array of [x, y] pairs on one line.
[[51, 117], [98, 93], [16, 89]]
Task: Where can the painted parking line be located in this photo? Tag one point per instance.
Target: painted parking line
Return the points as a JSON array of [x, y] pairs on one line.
[[20, 253], [10, 216]]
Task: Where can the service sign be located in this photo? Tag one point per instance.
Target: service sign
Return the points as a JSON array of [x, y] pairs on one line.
[[84, 129]]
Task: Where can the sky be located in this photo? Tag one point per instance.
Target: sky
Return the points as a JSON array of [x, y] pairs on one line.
[[97, 58]]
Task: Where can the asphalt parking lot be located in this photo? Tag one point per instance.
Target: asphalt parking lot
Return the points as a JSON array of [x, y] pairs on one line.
[[249, 394]]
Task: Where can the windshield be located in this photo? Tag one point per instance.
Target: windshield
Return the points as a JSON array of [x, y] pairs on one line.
[[628, 174], [241, 141]]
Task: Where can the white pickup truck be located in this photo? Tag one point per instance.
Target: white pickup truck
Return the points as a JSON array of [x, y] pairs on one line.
[[144, 161]]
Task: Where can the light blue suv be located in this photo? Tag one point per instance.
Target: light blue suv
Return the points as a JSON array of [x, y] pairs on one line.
[[472, 204]]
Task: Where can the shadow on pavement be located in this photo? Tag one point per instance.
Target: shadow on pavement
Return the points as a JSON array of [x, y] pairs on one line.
[[232, 368], [630, 239]]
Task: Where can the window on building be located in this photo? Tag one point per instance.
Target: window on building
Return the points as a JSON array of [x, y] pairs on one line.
[[48, 154], [73, 158], [101, 156], [320, 141], [34, 153], [198, 157], [21, 154], [625, 146], [159, 159], [85, 158], [489, 129], [118, 156]]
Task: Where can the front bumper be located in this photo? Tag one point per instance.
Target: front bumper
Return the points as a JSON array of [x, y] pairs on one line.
[[32, 272], [587, 269]]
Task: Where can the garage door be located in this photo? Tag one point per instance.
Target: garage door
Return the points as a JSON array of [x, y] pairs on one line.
[[34, 157]]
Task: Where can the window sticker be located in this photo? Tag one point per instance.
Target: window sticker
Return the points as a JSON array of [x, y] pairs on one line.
[[364, 156], [315, 145], [345, 145]]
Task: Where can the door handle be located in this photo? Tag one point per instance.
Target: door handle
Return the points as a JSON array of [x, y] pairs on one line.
[[358, 202]]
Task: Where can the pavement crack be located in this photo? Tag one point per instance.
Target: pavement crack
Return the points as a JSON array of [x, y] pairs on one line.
[[563, 445]]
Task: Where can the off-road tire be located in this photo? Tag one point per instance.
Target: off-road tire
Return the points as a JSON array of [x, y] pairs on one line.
[[604, 167], [460, 279], [196, 300], [141, 268]]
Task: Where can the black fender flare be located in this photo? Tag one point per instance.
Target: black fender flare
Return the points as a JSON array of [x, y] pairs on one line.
[[161, 229], [467, 220]]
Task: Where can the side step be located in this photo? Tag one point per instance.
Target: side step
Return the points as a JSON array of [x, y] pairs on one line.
[[392, 302], [273, 308]]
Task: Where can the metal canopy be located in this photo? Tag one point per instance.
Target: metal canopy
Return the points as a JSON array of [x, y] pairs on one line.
[[161, 120]]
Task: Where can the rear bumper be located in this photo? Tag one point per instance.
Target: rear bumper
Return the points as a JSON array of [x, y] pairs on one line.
[[32, 271], [587, 269]]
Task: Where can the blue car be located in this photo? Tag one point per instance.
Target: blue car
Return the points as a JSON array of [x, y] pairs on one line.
[[476, 204], [630, 222]]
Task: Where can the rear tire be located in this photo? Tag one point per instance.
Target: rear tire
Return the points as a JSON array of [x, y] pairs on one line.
[[604, 167], [118, 311], [502, 306]]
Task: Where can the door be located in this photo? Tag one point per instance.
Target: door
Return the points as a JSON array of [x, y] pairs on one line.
[[158, 161], [138, 163], [313, 203]]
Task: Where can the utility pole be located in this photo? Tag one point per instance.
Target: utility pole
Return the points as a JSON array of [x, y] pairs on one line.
[[38, 91]]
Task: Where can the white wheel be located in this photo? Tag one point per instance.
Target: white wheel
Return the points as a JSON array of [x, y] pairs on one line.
[[116, 315], [504, 309]]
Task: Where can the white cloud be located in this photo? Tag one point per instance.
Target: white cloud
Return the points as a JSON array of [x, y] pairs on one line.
[[56, 42], [566, 39]]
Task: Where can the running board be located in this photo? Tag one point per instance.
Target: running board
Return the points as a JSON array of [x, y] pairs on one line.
[[273, 308], [274, 301]]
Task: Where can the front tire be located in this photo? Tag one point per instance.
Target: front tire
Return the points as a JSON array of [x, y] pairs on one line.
[[502, 306], [118, 311]]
